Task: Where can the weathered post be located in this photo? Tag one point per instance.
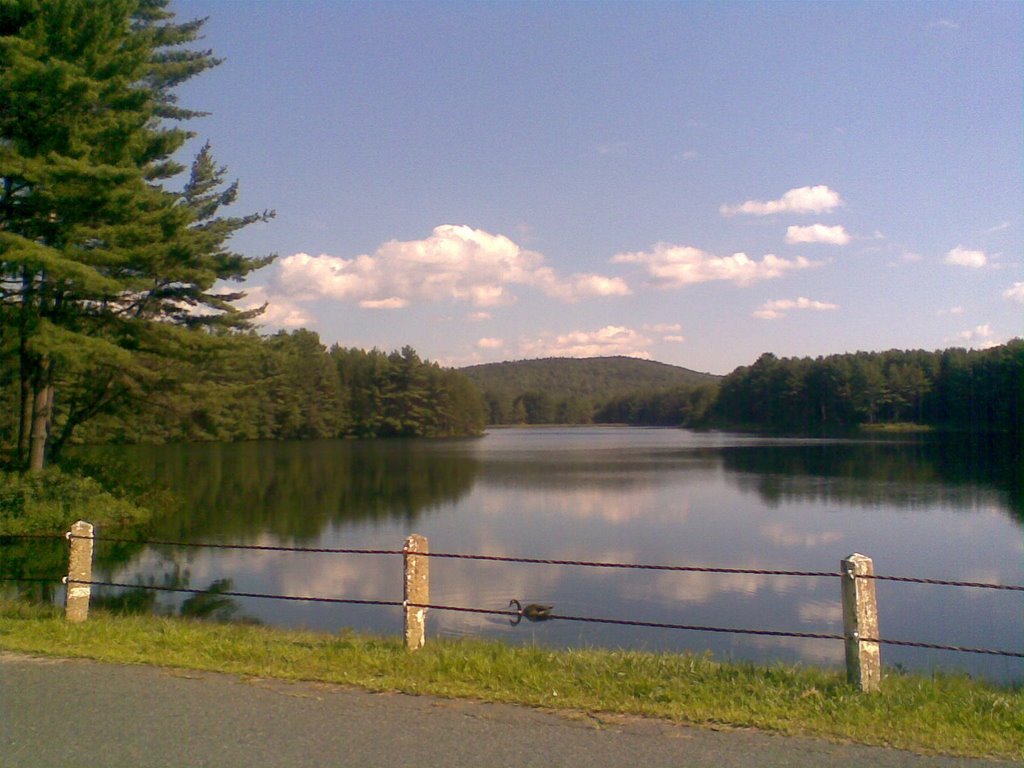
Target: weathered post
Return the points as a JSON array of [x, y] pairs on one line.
[[76, 601], [860, 623], [417, 590]]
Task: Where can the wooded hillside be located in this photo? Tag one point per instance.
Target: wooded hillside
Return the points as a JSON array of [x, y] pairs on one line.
[[600, 377], [578, 391], [979, 391]]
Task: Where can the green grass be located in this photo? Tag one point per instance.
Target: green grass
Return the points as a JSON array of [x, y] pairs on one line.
[[952, 715]]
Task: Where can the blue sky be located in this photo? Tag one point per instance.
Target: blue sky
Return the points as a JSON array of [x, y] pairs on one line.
[[696, 183]]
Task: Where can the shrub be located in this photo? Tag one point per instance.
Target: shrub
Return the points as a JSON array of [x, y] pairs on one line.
[[51, 500]]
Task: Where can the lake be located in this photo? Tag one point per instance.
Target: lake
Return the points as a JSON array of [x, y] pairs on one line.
[[920, 508]]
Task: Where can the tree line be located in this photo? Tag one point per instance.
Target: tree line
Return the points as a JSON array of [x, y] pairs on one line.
[[289, 386], [958, 389]]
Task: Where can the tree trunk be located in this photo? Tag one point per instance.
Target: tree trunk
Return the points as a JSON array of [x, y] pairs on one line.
[[40, 418], [76, 413], [25, 427], [25, 367]]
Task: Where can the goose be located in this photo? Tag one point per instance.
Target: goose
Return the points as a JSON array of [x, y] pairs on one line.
[[532, 611]]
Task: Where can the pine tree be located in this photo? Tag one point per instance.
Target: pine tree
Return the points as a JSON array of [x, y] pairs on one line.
[[104, 273]]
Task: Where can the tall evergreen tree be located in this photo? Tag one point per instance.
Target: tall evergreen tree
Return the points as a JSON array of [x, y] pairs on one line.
[[104, 273]]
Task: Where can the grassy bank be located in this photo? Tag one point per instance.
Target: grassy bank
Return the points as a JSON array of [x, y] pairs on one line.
[[952, 715]]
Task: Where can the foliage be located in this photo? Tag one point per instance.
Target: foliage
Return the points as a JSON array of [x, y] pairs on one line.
[[288, 386], [105, 275], [957, 389], [400, 395], [51, 500], [687, 406], [600, 389]]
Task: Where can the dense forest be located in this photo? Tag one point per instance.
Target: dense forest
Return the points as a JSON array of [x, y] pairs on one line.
[[289, 386], [968, 390], [584, 391]]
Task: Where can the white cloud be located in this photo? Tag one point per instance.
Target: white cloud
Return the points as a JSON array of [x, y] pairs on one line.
[[455, 263], [669, 331], [963, 257], [817, 233], [489, 343], [394, 302], [580, 286], [280, 311], [1015, 293], [608, 341], [817, 199], [998, 228], [772, 310], [944, 24], [980, 336], [673, 266]]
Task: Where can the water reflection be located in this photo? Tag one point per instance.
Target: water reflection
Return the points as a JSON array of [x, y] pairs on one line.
[[613, 495], [961, 472], [293, 490], [209, 602]]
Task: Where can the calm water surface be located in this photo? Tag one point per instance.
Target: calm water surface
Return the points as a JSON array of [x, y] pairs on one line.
[[602, 494]]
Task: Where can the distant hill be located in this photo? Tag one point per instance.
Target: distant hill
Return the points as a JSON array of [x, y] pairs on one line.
[[592, 377]]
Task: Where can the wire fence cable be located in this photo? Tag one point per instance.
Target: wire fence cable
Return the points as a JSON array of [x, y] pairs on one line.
[[581, 619], [533, 561], [232, 593], [530, 561], [578, 563]]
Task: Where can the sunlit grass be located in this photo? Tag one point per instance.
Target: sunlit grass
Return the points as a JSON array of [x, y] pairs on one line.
[[947, 714]]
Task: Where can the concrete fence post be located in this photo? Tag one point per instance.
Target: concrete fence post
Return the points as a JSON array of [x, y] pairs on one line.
[[860, 623], [417, 590], [76, 600]]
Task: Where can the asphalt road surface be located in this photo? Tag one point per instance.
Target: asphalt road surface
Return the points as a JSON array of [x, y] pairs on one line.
[[70, 713]]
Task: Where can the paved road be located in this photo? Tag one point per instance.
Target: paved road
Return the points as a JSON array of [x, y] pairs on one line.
[[70, 713]]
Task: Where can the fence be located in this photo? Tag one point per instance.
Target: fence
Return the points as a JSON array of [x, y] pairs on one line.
[[857, 589]]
